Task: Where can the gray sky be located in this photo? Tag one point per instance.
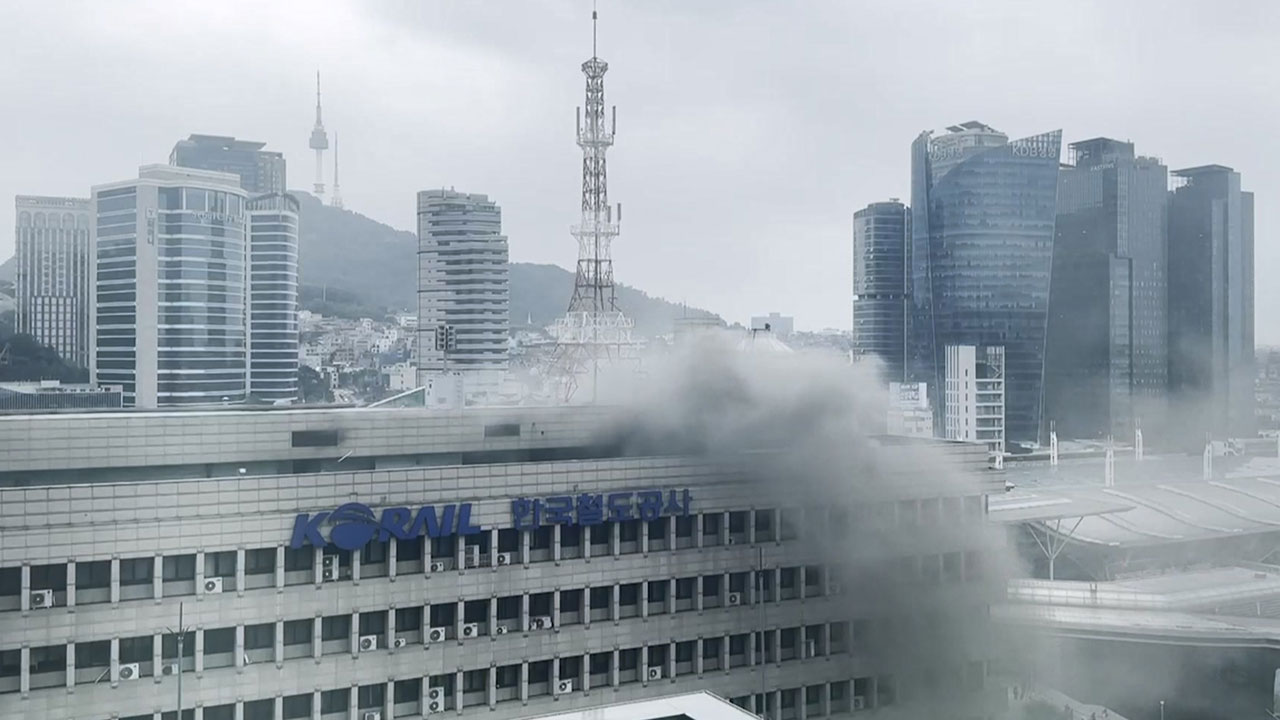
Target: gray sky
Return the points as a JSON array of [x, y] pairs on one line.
[[748, 132]]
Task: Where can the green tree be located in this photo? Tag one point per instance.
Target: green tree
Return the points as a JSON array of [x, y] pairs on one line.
[[22, 358]]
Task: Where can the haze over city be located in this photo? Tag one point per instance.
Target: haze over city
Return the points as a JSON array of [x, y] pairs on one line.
[[748, 132]]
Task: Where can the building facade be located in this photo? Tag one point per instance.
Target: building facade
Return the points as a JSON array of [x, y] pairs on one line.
[[1107, 363], [462, 284], [1211, 313], [975, 395], [273, 298], [261, 171], [496, 563], [982, 218], [54, 275], [909, 412], [880, 232], [54, 395], [171, 287]]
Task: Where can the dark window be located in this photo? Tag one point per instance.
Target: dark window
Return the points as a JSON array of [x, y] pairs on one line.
[[335, 627], [408, 691], [180, 567], [334, 701], [96, 574], [502, 430], [299, 559], [260, 561], [297, 706], [298, 632], [315, 438], [259, 637]]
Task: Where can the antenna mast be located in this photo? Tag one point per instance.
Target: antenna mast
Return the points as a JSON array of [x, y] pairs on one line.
[[594, 330], [336, 199]]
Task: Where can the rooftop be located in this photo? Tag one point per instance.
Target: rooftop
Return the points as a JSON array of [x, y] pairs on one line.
[[691, 706]]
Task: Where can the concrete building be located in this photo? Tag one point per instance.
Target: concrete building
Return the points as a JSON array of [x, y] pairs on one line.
[[54, 275], [273, 298], [261, 171], [171, 287], [982, 218], [54, 395], [975, 395], [499, 563], [781, 325], [1211, 345], [1108, 351], [909, 411], [880, 232], [462, 284]]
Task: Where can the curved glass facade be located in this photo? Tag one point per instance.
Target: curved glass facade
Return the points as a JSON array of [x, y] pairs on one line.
[[981, 247], [171, 287], [273, 298], [879, 283]]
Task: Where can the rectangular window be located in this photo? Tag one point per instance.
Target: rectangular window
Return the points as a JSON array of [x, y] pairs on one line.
[[299, 559], [297, 632], [180, 567], [261, 561], [315, 438], [335, 627], [502, 430]]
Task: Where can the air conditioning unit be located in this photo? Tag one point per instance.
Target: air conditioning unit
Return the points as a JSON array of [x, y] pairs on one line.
[[127, 671], [399, 642], [436, 634], [368, 642], [542, 622], [502, 559], [329, 568], [371, 715], [859, 702], [470, 630], [500, 630], [41, 599], [473, 556], [435, 700], [734, 599], [655, 673], [212, 586], [437, 566], [169, 669], [564, 686]]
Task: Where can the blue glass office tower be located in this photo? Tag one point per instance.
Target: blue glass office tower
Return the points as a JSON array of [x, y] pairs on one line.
[[982, 219], [1108, 350]]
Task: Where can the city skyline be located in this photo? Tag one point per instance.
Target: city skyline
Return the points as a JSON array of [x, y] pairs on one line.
[[517, 93]]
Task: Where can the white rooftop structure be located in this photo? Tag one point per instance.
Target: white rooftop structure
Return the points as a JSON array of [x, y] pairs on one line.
[[695, 706]]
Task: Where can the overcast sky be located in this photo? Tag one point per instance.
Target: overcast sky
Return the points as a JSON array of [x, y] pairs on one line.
[[748, 132]]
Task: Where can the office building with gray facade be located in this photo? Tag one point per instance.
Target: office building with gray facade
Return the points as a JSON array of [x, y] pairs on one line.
[[370, 564], [1211, 304], [260, 171], [880, 232], [273, 298], [171, 323], [1108, 352], [462, 284], [54, 275]]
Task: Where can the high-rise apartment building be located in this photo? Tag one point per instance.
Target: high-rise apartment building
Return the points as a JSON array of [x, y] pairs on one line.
[[1211, 342], [260, 171], [55, 275], [273, 298], [982, 217], [1108, 350], [880, 232], [171, 287], [462, 288], [975, 395]]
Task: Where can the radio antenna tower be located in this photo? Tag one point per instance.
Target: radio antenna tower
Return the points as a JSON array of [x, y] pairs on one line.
[[594, 330], [319, 142], [335, 199]]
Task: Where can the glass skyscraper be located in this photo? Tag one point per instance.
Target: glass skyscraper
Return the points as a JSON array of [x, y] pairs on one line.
[[982, 218], [261, 171], [1108, 346], [880, 232], [171, 287], [1211, 343]]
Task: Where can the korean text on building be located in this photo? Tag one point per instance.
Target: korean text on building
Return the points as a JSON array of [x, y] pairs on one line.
[[594, 509]]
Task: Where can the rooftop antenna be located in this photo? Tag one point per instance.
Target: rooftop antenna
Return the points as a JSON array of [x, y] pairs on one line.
[[336, 199], [594, 18]]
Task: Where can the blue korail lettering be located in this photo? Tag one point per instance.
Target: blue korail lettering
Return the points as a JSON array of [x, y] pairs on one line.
[[464, 520], [393, 522], [306, 528], [354, 525]]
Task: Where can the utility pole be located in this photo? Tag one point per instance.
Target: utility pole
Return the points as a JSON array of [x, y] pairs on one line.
[[182, 636]]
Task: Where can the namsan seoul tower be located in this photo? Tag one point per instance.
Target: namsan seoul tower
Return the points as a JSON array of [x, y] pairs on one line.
[[319, 143]]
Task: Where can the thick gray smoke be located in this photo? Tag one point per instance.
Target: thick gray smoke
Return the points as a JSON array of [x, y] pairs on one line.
[[805, 431]]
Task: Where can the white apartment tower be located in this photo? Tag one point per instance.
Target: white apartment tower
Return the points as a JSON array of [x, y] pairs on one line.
[[462, 289], [55, 274], [974, 398], [171, 323]]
